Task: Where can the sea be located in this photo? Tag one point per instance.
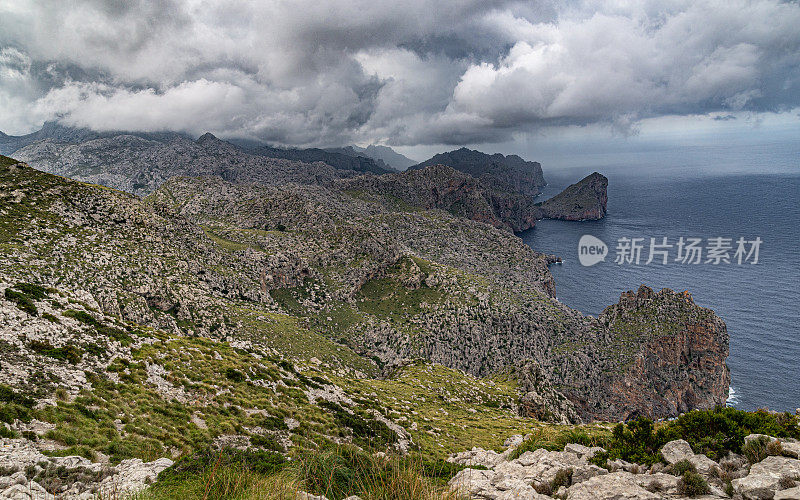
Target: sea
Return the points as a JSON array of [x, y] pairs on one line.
[[719, 195]]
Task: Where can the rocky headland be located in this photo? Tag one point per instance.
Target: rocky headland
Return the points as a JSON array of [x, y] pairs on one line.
[[508, 173]]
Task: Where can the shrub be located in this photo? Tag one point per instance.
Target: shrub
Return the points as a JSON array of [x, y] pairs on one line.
[[756, 449], [5, 432], [774, 449], [692, 484], [22, 301], [266, 441], [681, 467], [8, 395], [563, 478], [729, 489], [82, 316], [34, 292], [367, 430], [68, 353], [234, 375], [635, 442], [715, 432], [712, 432]]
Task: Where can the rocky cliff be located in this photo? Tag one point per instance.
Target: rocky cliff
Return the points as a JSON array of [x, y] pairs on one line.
[[680, 364], [507, 173], [584, 200]]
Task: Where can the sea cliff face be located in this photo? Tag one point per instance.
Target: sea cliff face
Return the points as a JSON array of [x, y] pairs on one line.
[[507, 173], [680, 364]]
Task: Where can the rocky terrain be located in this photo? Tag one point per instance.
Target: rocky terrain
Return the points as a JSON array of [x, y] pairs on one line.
[[507, 173], [286, 315], [572, 473]]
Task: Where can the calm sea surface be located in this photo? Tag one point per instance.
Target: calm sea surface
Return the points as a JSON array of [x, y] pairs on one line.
[[703, 192]]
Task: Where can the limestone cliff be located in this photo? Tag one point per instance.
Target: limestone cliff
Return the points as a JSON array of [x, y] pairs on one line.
[[679, 363]]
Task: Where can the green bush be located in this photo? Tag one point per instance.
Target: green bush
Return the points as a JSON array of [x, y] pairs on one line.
[[68, 353], [692, 484], [756, 449], [712, 432], [82, 316], [636, 442], [5, 432], [22, 301], [266, 441], [367, 430], [715, 432], [34, 292], [681, 467], [9, 395], [234, 375]]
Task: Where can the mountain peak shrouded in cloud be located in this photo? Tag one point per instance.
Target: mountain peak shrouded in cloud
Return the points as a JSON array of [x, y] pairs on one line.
[[345, 72]]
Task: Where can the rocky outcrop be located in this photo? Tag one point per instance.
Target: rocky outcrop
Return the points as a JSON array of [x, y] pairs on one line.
[[679, 360], [567, 474], [584, 200], [25, 473], [505, 173], [140, 164], [540, 399]]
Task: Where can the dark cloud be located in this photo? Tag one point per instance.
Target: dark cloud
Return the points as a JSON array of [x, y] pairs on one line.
[[405, 73]]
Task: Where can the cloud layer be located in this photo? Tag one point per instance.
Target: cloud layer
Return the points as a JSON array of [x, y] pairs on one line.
[[405, 73]]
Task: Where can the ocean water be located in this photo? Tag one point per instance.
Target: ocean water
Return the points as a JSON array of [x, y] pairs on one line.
[[704, 192]]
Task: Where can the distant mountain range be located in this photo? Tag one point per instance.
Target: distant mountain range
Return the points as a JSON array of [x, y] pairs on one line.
[[495, 189], [59, 133], [379, 153]]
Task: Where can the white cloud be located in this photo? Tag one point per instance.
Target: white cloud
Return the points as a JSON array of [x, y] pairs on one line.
[[417, 72]]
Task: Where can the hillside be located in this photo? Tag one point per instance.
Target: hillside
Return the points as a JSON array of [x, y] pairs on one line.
[[294, 317]]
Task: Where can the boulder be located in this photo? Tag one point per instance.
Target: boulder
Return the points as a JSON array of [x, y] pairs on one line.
[[791, 448], [586, 472], [677, 450], [30, 491], [582, 451], [472, 482], [614, 486], [543, 466], [790, 494], [754, 437], [477, 456], [765, 476], [513, 441], [659, 482], [522, 492], [756, 486]]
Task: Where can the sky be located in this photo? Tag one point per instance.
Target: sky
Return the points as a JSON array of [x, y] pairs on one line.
[[418, 75]]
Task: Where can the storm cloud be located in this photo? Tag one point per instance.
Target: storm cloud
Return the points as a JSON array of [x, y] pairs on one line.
[[402, 73]]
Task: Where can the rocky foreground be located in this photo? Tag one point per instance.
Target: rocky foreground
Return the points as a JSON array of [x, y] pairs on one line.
[[542, 474]]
